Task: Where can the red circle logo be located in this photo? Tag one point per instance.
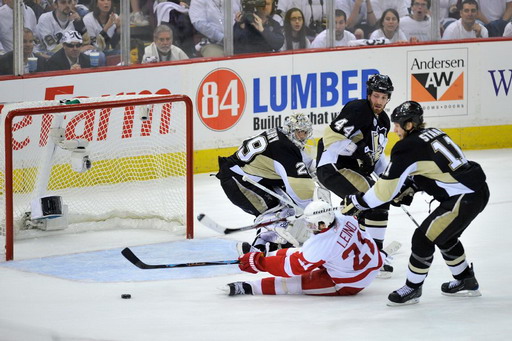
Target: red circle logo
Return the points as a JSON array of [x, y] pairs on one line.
[[220, 99]]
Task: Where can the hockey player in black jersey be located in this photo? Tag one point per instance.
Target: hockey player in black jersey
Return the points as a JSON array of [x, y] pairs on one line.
[[276, 160], [426, 159], [351, 149]]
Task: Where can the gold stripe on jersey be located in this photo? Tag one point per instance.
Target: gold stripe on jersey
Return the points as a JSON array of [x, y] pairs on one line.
[[456, 261], [254, 199], [262, 166], [303, 187], [418, 270], [440, 223], [429, 169], [385, 188], [331, 136], [356, 179], [368, 222]]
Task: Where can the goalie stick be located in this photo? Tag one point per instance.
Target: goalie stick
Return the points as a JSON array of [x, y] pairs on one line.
[[212, 224], [132, 258], [272, 193]]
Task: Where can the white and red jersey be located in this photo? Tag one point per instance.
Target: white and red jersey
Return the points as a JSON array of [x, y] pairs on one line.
[[348, 255]]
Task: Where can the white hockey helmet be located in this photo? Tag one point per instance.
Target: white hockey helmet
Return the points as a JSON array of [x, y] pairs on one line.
[[318, 212], [298, 122]]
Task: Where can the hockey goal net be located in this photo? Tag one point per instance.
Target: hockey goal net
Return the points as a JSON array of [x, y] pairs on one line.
[[90, 163]]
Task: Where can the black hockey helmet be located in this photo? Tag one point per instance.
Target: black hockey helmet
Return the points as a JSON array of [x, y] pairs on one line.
[[379, 83], [408, 111]]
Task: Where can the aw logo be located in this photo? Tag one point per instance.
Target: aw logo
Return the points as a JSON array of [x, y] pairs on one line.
[[220, 99], [438, 80], [437, 86]]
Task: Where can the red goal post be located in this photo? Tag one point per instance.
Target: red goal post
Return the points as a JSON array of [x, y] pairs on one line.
[[138, 146]]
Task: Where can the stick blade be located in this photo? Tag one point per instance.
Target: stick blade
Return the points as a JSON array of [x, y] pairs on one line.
[[132, 258], [211, 224]]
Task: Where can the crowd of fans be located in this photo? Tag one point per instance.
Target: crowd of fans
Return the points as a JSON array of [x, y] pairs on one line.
[[85, 33]]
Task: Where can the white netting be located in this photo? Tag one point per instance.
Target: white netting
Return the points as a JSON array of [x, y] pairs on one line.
[[138, 156]]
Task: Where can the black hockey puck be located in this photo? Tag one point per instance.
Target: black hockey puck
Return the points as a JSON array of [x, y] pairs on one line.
[[126, 296]]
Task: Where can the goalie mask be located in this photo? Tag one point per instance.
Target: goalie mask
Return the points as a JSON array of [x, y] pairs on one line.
[[298, 128], [318, 212]]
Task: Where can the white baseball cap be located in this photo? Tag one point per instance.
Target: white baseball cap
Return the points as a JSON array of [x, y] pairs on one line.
[[71, 37]]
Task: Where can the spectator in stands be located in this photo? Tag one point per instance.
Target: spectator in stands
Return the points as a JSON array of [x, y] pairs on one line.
[[401, 6], [446, 9], [315, 14], [162, 49], [389, 25], [466, 27], [6, 24], [137, 17], [508, 30], [175, 14], [52, 26], [258, 31], [361, 16], [207, 16], [7, 61], [103, 26], [495, 14], [418, 25], [341, 37], [37, 6], [295, 30], [69, 56]]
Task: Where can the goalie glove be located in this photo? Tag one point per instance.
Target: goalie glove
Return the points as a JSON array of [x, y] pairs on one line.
[[250, 262], [353, 204], [406, 194], [365, 158]]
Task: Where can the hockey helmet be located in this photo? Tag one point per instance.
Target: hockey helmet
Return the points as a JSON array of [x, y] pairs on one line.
[[408, 111], [379, 83], [298, 121], [317, 212]]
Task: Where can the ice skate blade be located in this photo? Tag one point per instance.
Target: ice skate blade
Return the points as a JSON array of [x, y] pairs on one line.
[[463, 293], [411, 301]]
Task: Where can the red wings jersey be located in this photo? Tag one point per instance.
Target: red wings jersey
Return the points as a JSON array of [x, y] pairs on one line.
[[349, 255]]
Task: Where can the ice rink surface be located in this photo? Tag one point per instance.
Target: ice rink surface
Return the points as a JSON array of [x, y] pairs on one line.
[[46, 295]]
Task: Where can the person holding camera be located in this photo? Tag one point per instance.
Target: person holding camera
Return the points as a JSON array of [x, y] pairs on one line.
[[255, 30]]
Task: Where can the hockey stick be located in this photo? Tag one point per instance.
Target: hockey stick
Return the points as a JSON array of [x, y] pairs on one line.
[[128, 254], [272, 193], [211, 224], [410, 216]]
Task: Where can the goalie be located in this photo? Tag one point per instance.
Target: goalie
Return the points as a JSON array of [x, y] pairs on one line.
[[275, 160], [339, 259]]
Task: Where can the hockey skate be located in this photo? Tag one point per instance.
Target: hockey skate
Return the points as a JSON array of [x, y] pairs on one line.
[[404, 296], [467, 287], [238, 288]]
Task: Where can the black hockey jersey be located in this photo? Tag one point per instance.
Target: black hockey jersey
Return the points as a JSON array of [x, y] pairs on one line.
[[278, 161], [357, 122], [434, 162]]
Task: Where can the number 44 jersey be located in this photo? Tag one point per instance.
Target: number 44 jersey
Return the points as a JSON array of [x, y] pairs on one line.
[[436, 164]]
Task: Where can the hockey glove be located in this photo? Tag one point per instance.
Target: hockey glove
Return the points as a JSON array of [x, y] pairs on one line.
[[406, 194], [353, 204], [365, 157], [249, 262]]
